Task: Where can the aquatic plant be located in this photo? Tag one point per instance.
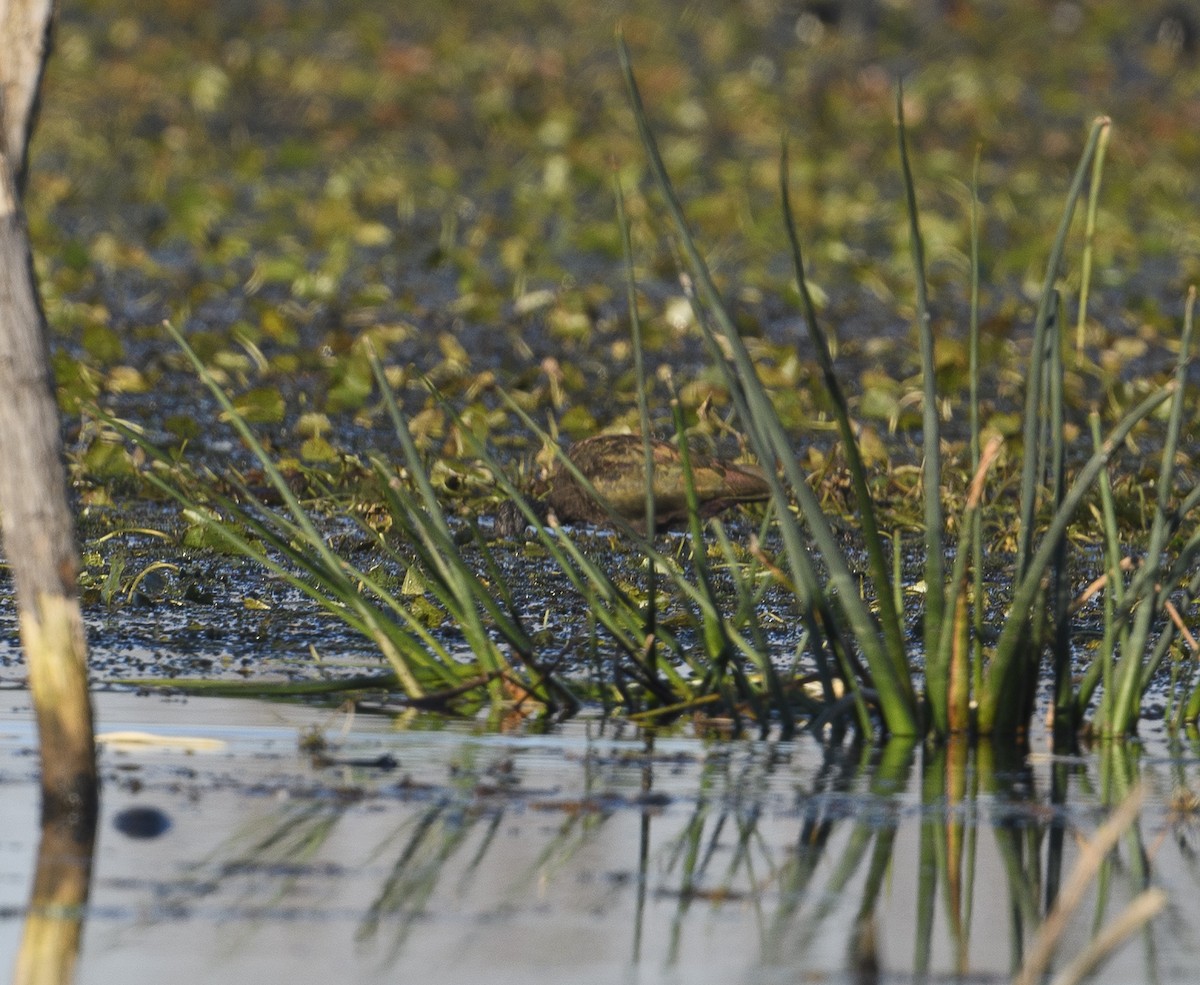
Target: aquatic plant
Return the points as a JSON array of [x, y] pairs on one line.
[[968, 686], [980, 652], [288, 542]]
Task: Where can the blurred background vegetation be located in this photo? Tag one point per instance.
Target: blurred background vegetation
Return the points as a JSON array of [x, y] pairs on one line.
[[285, 179]]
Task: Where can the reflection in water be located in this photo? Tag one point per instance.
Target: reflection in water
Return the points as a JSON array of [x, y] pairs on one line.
[[838, 880], [142, 822], [601, 856], [54, 922]]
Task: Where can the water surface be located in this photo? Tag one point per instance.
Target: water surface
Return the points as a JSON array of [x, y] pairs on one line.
[[593, 854]]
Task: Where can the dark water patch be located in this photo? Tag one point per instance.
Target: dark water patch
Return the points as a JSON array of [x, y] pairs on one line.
[[142, 822]]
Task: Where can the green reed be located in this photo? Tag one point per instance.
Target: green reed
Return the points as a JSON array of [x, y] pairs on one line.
[[967, 686]]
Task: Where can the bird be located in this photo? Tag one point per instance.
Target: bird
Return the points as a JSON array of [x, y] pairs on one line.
[[615, 465]]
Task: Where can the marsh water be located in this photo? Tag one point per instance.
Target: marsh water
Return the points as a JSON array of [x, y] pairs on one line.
[[288, 181], [230, 852]]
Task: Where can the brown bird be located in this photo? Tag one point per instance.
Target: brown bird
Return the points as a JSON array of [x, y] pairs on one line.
[[615, 466]]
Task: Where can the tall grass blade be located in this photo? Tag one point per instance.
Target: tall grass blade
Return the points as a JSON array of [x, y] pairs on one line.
[[935, 601], [324, 561], [639, 372], [1033, 392], [466, 597], [1114, 599], [889, 613], [714, 638], [957, 718], [417, 659], [770, 443], [1179, 578], [311, 535], [1059, 576], [1000, 710], [1130, 677], [749, 601], [979, 602], [1089, 233]]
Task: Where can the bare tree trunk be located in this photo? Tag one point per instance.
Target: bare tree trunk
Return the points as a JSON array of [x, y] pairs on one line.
[[39, 536], [38, 528], [24, 34]]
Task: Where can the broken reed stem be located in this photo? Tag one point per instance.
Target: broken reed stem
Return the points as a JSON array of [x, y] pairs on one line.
[[1140, 911], [1092, 855]]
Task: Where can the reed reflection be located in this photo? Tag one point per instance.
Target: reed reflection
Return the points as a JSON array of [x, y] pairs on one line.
[[956, 860]]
